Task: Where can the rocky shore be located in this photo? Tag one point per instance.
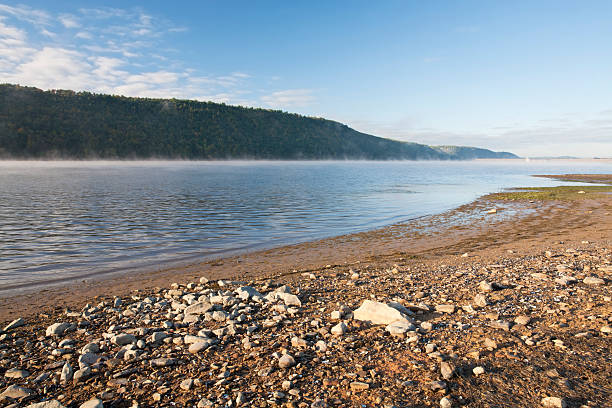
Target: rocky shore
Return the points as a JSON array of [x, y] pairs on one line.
[[507, 325]]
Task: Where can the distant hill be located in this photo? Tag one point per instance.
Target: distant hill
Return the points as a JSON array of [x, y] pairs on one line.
[[470, 153], [83, 125]]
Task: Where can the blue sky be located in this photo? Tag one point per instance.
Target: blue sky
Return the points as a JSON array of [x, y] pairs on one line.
[[532, 77]]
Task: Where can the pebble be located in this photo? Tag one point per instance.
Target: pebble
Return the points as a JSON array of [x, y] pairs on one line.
[[15, 324], [92, 403], [553, 402], [446, 402], [16, 373], [286, 361]]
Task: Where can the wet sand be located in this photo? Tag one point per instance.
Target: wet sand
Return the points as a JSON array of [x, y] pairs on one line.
[[520, 226]]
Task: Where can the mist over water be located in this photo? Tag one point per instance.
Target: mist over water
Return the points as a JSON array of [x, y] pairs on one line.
[[71, 219]]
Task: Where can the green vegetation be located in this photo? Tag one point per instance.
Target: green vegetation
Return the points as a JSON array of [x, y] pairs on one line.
[[82, 125], [561, 193]]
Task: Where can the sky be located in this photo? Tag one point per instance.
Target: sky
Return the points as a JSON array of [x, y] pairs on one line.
[[531, 77]]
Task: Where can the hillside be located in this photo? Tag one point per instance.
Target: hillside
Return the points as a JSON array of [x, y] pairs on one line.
[[67, 124]]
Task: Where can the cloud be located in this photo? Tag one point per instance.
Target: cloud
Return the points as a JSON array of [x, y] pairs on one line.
[[25, 13], [289, 98], [119, 51], [69, 21]]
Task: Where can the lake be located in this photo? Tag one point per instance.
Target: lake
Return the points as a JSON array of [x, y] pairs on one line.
[[70, 219]]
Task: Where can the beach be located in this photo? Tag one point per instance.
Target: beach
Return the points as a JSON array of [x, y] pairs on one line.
[[502, 302]]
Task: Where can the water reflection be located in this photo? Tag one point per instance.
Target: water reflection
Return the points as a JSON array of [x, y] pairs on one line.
[[66, 219]]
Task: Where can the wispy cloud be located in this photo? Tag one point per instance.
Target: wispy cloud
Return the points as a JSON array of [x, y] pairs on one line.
[[118, 51]]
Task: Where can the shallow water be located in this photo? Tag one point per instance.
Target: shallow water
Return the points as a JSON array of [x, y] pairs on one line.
[[69, 219]]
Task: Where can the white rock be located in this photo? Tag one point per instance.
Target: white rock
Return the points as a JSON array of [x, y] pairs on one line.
[[92, 403], [478, 371], [58, 329], [339, 329], [378, 313], [400, 328], [247, 292], [446, 402], [553, 402]]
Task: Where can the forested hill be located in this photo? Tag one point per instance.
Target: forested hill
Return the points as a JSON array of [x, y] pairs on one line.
[[67, 124]]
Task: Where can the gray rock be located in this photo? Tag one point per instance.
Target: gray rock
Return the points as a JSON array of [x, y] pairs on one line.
[[163, 362], [16, 373], [14, 324], [88, 359], [198, 308], [82, 374], [92, 403], [286, 361], [201, 345], [378, 313], [123, 339], [16, 392], [400, 328], [58, 329], [67, 373]]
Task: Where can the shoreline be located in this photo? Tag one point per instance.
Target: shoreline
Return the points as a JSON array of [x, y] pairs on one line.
[[466, 308], [446, 230]]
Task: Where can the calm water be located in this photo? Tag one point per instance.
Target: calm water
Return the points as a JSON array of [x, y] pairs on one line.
[[67, 219]]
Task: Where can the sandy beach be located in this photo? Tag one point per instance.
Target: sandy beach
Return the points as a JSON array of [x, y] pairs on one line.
[[502, 302]]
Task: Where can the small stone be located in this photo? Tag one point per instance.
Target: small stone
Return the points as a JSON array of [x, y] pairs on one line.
[[481, 300], [359, 386], [400, 328], [489, 343], [486, 286], [447, 370], [67, 373], [241, 398], [163, 362], [606, 329], [123, 339], [339, 329], [446, 402], [14, 324], [553, 402], [445, 309], [58, 329], [590, 280], [187, 384], [16, 373], [286, 361], [478, 371], [522, 320], [82, 374], [92, 403]]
